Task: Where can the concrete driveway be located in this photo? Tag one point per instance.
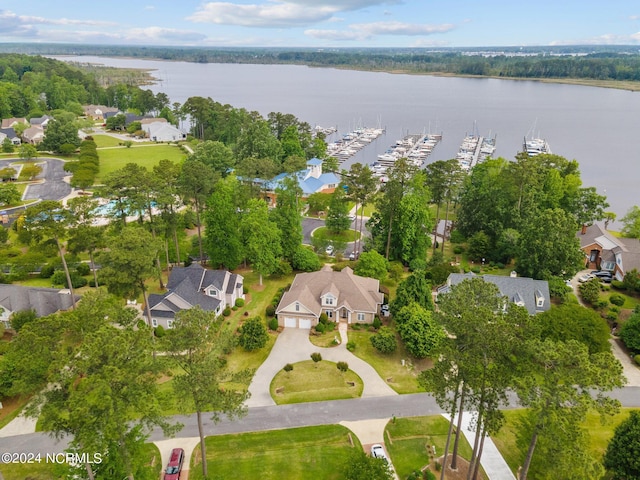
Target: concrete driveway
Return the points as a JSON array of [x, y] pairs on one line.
[[293, 346]]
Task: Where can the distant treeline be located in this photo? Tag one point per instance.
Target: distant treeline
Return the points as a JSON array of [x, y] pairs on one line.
[[602, 63]]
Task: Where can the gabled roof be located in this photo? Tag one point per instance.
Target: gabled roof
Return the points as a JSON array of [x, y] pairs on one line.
[[10, 122], [361, 294], [9, 132], [40, 120], [308, 182], [627, 248], [187, 286], [516, 289], [44, 301]]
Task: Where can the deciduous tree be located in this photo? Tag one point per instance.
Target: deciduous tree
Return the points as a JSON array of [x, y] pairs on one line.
[[198, 344], [622, 457]]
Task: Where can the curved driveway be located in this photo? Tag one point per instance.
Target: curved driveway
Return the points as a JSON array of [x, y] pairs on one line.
[[293, 345]]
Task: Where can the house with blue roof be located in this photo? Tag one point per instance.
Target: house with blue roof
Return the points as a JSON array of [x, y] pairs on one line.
[[311, 180]]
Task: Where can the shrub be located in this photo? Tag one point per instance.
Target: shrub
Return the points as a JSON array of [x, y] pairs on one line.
[[83, 269], [458, 249], [385, 340], [637, 359], [227, 311], [288, 367], [351, 345], [270, 310], [253, 334], [324, 319], [245, 290], [342, 366], [320, 328], [590, 291], [376, 322], [601, 304], [273, 324], [612, 315], [617, 299], [47, 271], [630, 333], [239, 302], [316, 357], [159, 331]]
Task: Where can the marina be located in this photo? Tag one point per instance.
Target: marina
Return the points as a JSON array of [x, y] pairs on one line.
[[536, 146], [475, 149], [351, 143], [414, 147]]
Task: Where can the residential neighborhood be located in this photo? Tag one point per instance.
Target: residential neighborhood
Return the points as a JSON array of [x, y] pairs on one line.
[[180, 295]]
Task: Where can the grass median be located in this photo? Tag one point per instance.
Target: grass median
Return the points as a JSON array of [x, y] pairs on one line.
[[315, 382]]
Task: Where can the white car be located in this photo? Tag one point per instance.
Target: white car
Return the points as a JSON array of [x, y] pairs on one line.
[[585, 277], [384, 310], [329, 250], [377, 451]]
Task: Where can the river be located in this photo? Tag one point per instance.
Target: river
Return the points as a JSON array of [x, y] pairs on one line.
[[596, 126]]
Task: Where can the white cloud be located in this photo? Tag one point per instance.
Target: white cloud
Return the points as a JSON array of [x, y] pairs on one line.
[[362, 31], [163, 35], [278, 13], [26, 20], [271, 15]]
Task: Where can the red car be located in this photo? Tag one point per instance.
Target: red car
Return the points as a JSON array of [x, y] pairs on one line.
[[174, 467]]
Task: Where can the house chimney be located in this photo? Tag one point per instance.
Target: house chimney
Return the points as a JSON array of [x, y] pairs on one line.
[[584, 228]]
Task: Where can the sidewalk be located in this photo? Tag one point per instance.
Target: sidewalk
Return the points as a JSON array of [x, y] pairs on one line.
[[492, 461]]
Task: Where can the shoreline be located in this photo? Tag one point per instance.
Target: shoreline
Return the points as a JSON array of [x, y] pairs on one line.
[[586, 82]]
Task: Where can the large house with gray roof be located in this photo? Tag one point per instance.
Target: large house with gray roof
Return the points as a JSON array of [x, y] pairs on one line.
[[606, 252], [525, 292], [342, 296], [195, 285], [44, 301]]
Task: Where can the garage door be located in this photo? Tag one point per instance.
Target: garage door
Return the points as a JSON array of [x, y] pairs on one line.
[[290, 322], [305, 323]]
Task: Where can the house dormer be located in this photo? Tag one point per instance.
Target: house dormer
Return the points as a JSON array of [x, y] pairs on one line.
[[518, 300], [212, 292], [314, 168], [539, 299], [329, 300]]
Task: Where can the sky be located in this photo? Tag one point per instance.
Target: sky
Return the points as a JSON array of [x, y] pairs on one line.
[[322, 23]]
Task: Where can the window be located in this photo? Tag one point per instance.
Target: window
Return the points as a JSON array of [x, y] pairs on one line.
[[328, 300], [154, 322], [361, 317], [169, 323], [213, 293], [297, 307], [329, 313]]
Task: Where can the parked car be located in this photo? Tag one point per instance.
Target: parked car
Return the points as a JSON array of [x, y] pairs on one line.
[[353, 256], [329, 250], [377, 451], [174, 467], [602, 274], [384, 310], [585, 277]]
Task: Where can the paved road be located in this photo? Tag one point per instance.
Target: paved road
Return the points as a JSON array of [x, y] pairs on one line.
[[289, 416], [53, 187]]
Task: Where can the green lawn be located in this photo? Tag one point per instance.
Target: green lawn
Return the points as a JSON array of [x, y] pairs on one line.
[[106, 141], [403, 379], [315, 382], [293, 454], [51, 471], [148, 156], [346, 236], [407, 440], [514, 454]]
